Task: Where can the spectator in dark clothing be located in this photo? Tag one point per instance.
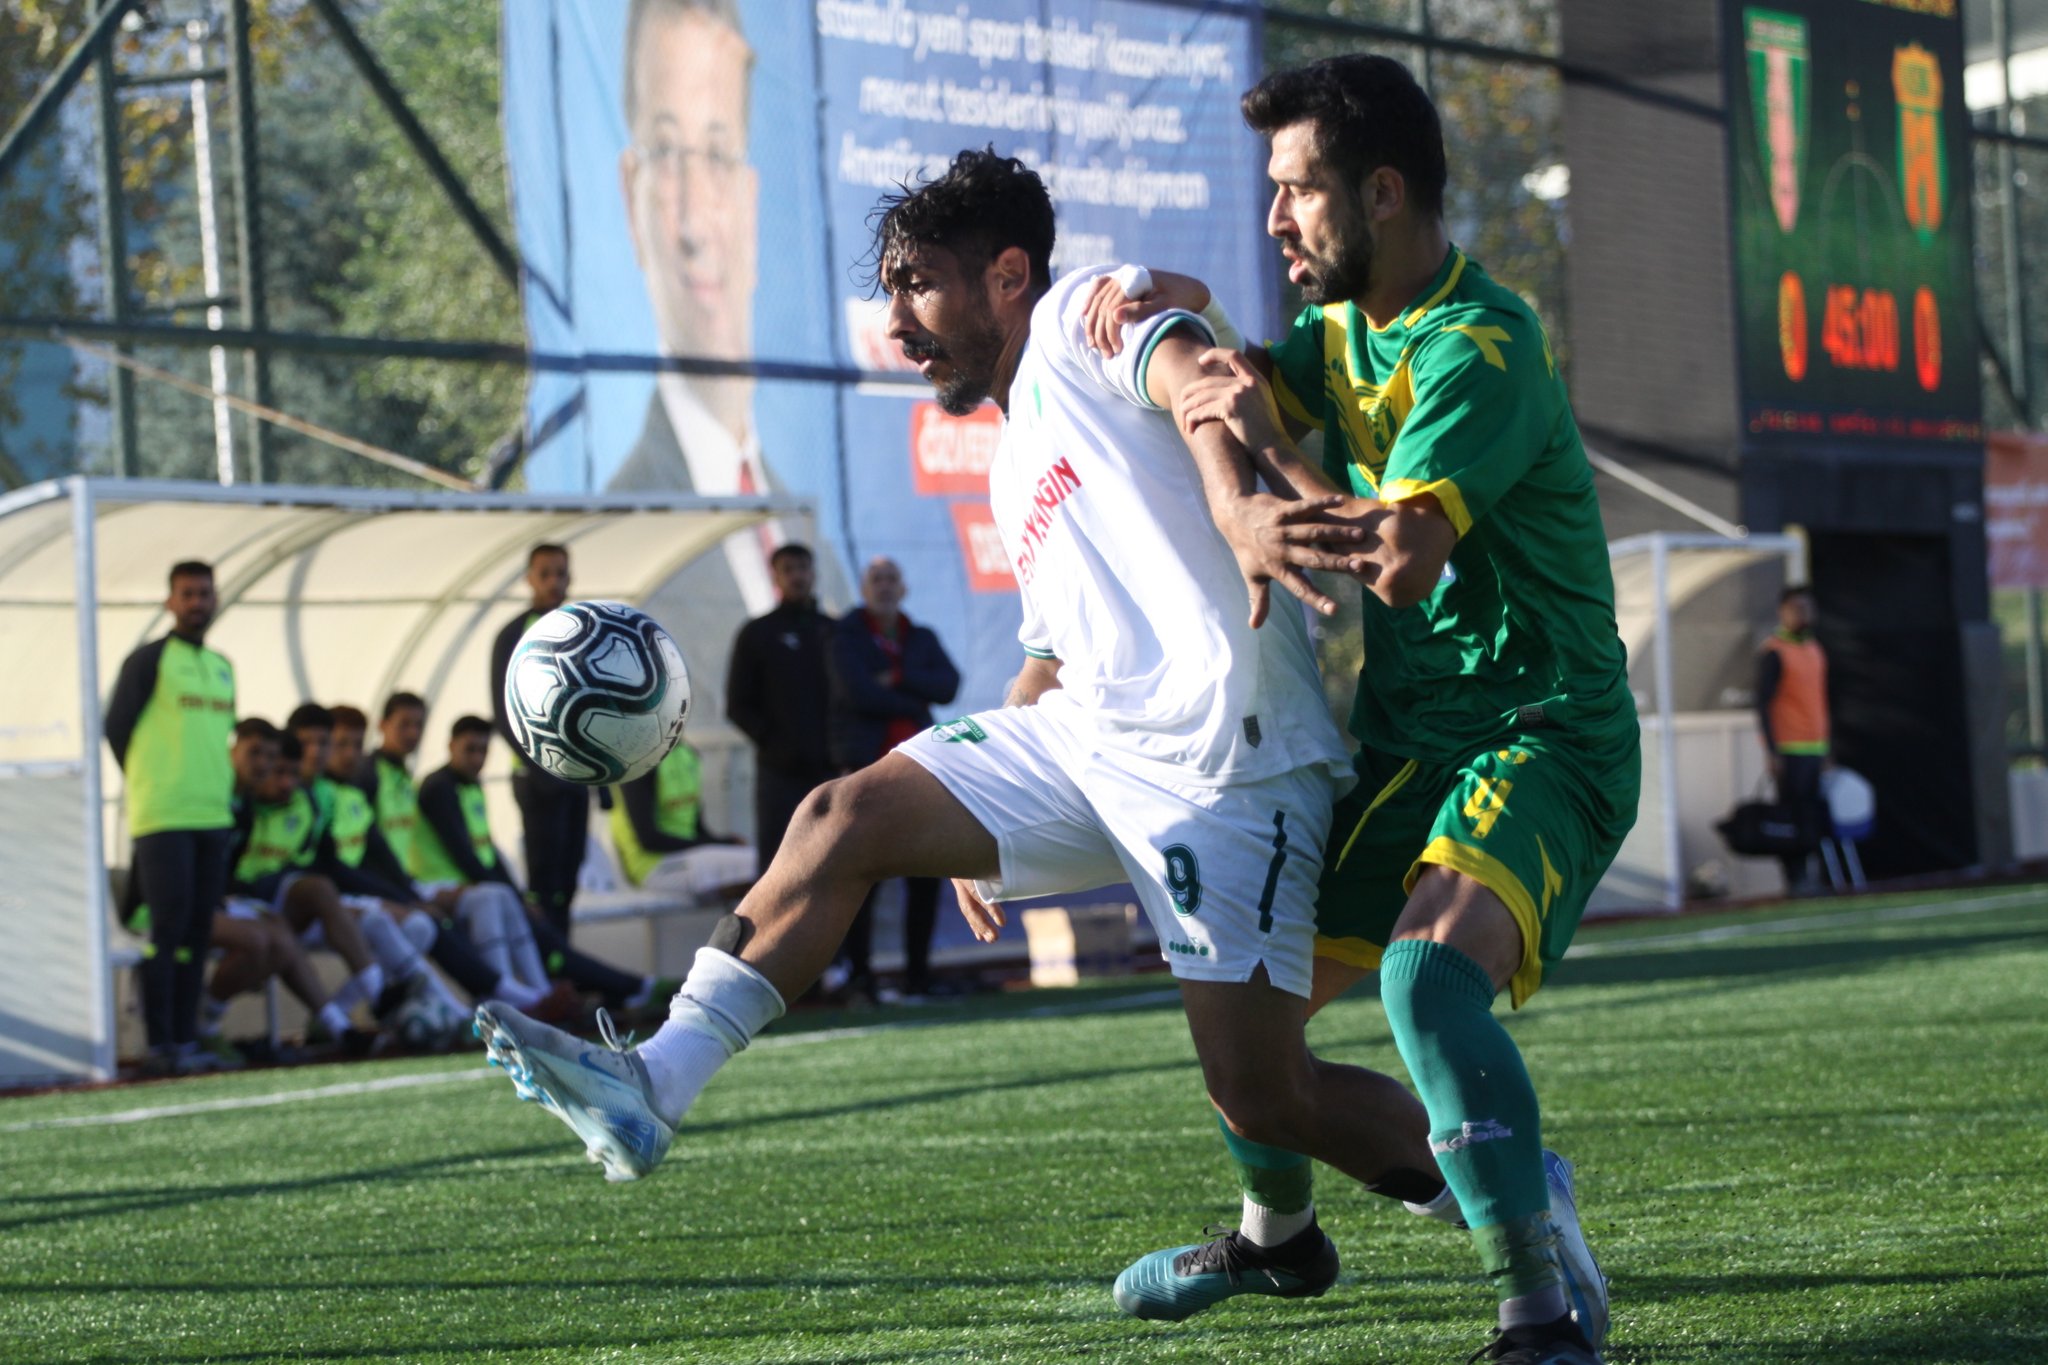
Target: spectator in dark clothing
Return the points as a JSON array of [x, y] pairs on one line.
[[1792, 709], [556, 814], [778, 693], [169, 723], [887, 674]]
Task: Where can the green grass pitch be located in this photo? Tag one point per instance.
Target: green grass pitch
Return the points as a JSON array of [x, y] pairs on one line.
[[1811, 1134]]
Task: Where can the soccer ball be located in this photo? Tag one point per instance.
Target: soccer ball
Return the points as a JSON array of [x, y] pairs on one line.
[[596, 693], [425, 1022]]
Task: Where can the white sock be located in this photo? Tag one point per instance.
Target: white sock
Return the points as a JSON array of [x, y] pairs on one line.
[[722, 1005], [393, 950], [518, 935], [681, 1059], [517, 993], [335, 1018], [1444, 1208], [1263, 1227], [364, 987], [211, 1012], [419, 930]]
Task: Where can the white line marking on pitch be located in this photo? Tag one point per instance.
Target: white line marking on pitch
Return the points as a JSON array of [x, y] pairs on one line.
[[1717, 934], [1763, 928], [172, 1111], [327, 1092]]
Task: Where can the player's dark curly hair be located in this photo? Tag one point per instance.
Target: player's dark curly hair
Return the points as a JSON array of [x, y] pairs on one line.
[[1368, 113], [982, 206]]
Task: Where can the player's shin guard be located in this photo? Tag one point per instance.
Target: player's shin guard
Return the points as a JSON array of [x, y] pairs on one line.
[[1484, 1125]]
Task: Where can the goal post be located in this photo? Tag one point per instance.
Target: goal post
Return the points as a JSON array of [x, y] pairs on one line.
[[1691, 610]]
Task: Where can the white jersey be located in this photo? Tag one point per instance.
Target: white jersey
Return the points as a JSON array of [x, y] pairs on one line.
[[1126, 580]]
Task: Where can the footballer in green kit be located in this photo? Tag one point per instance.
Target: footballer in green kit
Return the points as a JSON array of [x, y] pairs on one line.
[[1499, 767]]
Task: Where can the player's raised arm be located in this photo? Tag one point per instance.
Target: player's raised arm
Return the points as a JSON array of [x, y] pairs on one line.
[[1275, 535], [1397, 548]]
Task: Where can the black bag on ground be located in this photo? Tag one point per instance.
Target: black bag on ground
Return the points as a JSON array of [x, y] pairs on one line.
[[1764, 829]]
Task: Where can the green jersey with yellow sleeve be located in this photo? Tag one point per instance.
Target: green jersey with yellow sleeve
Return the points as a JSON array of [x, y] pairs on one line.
[[1459, 398]]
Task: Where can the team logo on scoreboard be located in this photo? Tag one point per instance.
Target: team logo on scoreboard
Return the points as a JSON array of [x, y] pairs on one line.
[[1923, 173], [1780, 66]]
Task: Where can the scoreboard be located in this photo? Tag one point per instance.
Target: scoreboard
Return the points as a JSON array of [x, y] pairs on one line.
[[1851, 180]]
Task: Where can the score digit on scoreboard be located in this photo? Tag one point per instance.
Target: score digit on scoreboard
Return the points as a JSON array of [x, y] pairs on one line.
[[1850, 183]]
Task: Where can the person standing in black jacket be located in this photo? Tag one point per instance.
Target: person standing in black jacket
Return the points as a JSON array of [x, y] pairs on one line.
[[778, 693], [887, 674], [555, 814]]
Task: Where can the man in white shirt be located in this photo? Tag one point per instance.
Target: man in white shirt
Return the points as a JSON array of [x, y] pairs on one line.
[[1153, 735]]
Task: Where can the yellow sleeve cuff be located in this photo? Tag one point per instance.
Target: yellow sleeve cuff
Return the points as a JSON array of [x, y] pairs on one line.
[[1443, 490]]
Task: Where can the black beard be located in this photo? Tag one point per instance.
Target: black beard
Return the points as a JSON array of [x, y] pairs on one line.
[[972, 360], [1347, 276]]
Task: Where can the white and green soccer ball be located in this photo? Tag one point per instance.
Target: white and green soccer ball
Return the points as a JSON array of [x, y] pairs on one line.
[[427, 1022], [597, 693]]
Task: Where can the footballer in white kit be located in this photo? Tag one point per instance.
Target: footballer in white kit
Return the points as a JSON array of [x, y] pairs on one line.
[[1184, 751], [1155, 736]]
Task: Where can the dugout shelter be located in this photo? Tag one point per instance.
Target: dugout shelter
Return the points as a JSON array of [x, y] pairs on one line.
[[330, 594]]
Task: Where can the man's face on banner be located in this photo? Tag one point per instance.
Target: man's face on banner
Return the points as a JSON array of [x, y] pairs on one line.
[[690, 195]]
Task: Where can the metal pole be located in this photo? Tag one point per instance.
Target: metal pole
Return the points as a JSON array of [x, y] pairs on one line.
[[2037, 731], [1667, 729], [89, 47], [2009, 219], [423, 144], [99, 983], [249, 230], [1419, 17], [196, 33], [113, 241]]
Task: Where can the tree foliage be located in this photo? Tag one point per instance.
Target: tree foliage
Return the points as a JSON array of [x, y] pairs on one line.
[[357, 238]]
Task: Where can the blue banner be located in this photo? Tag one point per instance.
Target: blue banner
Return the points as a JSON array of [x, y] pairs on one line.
[[700, 187]]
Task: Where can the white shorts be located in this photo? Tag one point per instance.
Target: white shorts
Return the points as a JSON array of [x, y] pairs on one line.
[[363, 905], [1227, 874], [244, 907]]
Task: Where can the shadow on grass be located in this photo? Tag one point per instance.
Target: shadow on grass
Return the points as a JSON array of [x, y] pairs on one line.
[[152, 1199], [1935, 1341]]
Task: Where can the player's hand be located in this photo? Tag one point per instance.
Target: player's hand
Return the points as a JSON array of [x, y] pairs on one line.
[[445, 898], [1231, 391], [1110, 309], [1275, 540], [984, 918]]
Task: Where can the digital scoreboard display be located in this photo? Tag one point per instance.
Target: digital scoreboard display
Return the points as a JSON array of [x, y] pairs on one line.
[[1851, 175]]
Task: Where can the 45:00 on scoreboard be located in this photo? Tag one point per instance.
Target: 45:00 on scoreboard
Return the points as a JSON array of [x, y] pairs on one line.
[[1859, 330]]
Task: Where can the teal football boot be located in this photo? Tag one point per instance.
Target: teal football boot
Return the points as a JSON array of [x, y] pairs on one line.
[[1180, 1282]]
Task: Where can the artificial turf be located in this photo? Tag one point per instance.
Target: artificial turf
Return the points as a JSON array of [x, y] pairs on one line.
[[1803, 1134]]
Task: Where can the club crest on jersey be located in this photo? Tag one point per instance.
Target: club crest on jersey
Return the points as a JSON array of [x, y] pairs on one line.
[[965, 729], [1053, 488]]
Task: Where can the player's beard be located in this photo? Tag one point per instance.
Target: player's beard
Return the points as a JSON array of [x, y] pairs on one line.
[[1346, 273], [971, 360]]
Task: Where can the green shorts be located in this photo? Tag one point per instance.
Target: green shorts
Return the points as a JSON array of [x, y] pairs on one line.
[[1536, 822]]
